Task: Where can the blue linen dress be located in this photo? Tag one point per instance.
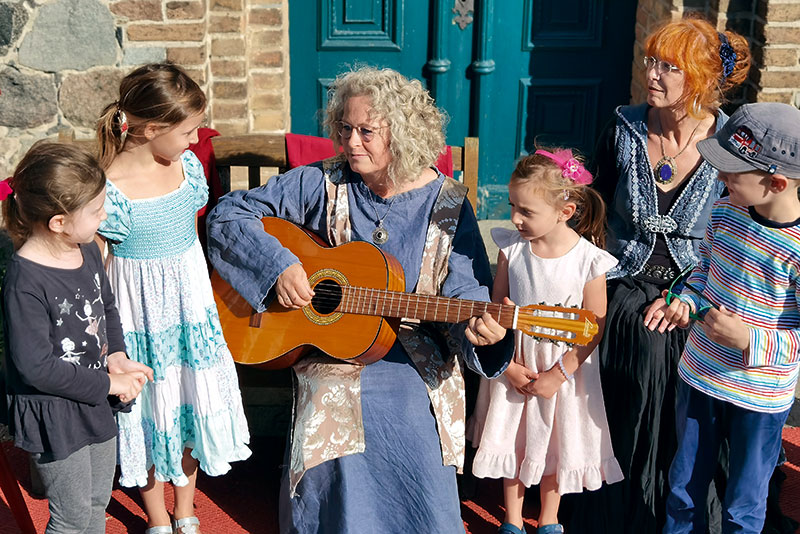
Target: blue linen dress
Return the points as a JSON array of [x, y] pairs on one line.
[[398, 484], [159, 276]]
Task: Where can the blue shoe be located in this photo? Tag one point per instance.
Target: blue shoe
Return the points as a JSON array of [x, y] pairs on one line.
[[554, 528], [508, 528]]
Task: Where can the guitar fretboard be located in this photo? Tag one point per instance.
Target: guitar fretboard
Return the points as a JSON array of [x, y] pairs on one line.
[[368, 301]]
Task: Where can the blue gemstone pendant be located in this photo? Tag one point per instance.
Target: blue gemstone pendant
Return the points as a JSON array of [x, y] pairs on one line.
[[664, 171]]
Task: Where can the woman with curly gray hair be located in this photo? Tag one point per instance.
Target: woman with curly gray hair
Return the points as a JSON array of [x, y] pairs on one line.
[[373, 448]]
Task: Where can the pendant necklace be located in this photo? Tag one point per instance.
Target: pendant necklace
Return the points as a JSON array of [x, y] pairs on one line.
[[666, 168], [380, 235]]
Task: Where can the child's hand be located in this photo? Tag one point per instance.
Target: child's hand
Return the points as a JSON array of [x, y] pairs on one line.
[[119, 363], [726, 328], [659, 315], [547, 384], [126, 385], [520, 377]]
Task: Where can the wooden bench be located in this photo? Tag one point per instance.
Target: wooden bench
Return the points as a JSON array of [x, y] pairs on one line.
[[248, 161]]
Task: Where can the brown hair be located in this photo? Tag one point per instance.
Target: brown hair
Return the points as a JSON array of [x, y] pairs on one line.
[[693, 45], [52, 179], [159, 93], [545, 176]]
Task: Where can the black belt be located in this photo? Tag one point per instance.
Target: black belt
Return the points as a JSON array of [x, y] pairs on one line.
[[660, 272]]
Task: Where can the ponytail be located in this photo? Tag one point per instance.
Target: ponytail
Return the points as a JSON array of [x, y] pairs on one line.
[[16, 226], [108, 136], [590, 219]]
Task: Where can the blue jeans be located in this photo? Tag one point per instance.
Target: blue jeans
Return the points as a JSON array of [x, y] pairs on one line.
[[755, 441]]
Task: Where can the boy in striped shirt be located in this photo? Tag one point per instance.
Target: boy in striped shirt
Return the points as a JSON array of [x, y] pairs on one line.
[[739, 368]]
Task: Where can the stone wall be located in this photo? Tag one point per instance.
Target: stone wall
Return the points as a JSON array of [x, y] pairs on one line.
[[62, 61], [771, 26]]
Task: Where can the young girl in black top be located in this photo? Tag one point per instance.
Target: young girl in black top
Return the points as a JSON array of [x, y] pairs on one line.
[[66, 367]]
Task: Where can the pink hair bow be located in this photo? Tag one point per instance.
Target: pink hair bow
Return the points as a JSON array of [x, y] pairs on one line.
[[570, 167], [5, 188]]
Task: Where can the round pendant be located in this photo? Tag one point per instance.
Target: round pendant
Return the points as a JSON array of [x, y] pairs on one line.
[[380, 235], [664, 171]]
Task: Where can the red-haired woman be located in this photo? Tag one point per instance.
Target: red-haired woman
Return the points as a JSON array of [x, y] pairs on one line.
[[659, 193]]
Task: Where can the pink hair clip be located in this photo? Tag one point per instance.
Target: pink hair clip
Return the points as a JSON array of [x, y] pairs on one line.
[[5, 188], [570, 167]]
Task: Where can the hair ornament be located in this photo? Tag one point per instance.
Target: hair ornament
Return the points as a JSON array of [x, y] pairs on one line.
[[570, 167], [5, 188], [727, 54], [122, 120]]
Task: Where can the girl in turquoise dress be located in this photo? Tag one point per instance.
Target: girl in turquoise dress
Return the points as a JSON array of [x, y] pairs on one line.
[[191, 414]]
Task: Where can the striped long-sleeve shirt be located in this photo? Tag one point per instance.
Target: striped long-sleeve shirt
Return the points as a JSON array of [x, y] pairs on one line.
[[751, 266]]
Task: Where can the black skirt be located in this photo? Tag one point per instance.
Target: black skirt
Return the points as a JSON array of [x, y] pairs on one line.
[[638, 370]]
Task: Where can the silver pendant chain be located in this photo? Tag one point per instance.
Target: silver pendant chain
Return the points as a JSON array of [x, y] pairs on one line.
[[380, 235]]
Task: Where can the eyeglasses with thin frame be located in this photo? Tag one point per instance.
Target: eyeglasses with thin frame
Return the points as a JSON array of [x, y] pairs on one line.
[[700, 314], [661, 66], [346, 131]]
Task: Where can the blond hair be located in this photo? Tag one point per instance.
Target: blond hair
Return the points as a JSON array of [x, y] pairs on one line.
[[416, 125], [545, 177]]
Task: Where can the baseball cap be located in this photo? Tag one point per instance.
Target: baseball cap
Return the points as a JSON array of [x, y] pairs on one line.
[[763, 136]]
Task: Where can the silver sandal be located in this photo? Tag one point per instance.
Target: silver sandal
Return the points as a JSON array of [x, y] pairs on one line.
[[186, 525], [161, 529]]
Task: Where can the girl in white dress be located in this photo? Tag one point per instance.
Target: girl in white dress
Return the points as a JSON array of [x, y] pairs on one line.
[[191, 415], [543, 422]]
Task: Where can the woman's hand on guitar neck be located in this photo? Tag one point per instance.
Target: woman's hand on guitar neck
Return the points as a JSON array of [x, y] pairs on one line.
[[292, 287], [484, 330]]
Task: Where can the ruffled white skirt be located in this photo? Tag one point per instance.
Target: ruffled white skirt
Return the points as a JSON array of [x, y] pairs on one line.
[[170, 323]]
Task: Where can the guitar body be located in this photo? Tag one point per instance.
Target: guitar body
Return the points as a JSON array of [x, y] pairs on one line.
[[280, 336]]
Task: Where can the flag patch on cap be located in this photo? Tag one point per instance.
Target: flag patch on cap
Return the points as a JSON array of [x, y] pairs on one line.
[[744, 142]]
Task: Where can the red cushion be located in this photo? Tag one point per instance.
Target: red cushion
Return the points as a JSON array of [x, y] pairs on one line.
[[305, 149], [445, 161], [204, 150]]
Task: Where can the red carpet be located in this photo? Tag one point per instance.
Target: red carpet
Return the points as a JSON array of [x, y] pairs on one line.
[[245, 500]]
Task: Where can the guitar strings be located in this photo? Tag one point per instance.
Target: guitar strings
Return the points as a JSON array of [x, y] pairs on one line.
[[365, 298], [372, 296]]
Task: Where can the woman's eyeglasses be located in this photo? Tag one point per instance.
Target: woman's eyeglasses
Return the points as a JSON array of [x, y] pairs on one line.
[[671, 295], [346, 131], [661, 66]]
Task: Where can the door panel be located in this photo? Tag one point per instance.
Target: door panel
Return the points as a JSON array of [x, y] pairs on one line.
[[329, 36], [565, 64]]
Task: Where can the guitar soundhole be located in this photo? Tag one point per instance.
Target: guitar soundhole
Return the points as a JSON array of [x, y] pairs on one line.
[[327, 296]]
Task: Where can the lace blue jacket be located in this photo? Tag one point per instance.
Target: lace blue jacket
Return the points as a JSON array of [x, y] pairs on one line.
[[633, 218]]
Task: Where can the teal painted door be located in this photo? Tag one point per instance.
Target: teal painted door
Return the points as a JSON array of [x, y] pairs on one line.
[[509, 72], [561, 67]]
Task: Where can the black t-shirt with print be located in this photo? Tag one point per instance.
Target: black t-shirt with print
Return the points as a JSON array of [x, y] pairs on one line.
[[60, 326]]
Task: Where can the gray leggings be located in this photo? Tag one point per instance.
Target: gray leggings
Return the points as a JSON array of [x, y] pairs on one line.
[[78, 488]]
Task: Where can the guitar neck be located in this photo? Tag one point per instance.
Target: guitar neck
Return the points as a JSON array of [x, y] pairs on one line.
[[367, 301]]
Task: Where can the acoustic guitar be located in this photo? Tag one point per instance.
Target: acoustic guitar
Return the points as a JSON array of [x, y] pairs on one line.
[[359, 299]]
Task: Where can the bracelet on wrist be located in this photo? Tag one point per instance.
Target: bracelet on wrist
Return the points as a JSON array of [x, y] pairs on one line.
[[564, 369]]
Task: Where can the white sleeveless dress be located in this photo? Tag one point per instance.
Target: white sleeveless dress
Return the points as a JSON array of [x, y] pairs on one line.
[[526, 437]]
